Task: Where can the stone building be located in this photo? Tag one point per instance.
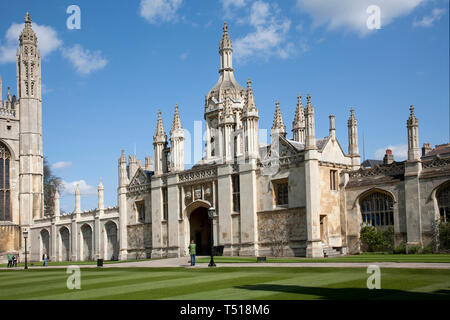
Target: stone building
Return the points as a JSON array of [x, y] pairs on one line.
[[298, 196]]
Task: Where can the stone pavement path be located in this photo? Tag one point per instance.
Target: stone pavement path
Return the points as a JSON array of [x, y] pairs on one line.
[[184, 262]]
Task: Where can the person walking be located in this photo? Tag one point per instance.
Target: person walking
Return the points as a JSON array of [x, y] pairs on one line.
[[15, 260], [192, 252], [45, 258], [10, 260]]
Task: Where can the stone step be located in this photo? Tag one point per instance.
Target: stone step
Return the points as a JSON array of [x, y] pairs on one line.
[[330, 252]]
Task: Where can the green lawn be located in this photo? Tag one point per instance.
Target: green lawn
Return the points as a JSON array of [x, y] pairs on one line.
[[71, 263], [225, 284], [436, 258]]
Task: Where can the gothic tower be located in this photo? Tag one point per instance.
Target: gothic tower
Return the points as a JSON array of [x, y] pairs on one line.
[[159, 145], [353, 149], [31, 151]]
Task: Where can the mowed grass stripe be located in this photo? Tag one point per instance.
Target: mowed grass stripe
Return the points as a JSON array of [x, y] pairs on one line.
[[128, 290], [88, 280], [28, 277], [248, 289]]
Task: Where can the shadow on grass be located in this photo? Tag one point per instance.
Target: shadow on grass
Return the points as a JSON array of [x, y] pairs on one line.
[[348, 293]]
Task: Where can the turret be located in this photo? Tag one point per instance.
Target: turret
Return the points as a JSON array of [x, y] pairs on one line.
[[123, 174], [332, 127], [413, 136], [227, 122], [250, 119], [353, 149], [177, 143], [298, 126], [310, 134], [159, 144], [101, 202], [77, 200]]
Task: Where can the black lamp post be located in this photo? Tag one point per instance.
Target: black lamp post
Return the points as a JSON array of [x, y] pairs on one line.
[[211, 212], [25, 236]]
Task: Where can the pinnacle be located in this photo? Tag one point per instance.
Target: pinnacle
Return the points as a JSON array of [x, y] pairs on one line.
[[160, 126], [278, 119], [176, 123]]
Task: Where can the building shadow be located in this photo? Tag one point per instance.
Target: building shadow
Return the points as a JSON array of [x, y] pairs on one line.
[[347, 293]]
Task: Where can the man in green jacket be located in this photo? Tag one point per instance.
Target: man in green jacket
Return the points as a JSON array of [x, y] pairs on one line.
[[10, 260], [192, 252]]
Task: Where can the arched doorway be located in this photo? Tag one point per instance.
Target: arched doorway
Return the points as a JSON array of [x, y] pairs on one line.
[[200, 230], [65, 244], [86, 244], [112, 245], [45, 243]]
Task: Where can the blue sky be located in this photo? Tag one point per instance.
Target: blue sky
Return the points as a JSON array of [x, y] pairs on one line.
[[103, 83]]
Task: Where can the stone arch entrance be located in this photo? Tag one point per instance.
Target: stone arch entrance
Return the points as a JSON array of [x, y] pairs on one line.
[[45, 243], [64, 244], [112, 244], [86, 243], [200, 226]]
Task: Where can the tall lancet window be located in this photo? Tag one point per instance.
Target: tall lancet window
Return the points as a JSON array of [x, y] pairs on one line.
[[5, 203]]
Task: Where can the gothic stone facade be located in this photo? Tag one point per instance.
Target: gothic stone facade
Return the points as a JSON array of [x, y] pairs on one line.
[[299, 196]]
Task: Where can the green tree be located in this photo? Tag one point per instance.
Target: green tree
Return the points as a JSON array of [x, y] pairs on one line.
[[51, 184]]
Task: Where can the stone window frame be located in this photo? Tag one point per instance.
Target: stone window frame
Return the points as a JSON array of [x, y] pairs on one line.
[[443, 202], [165, 203], [236, 193], [140, 210], [277, 190], [377, 209], [5, 183], [334, 180]]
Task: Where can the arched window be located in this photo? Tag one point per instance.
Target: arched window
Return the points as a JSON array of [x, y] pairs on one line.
[[444, 203], [5, 203], [377, 209]]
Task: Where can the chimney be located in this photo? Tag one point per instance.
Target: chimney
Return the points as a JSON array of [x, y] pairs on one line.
[[388, 157], [426, 148]]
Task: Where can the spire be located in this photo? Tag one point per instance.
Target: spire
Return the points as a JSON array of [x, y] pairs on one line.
[[160, 135], [225, 43], [122, 158], [298, 126], [310, 134], [28, 36], [278, 123], [101, 203], [249, 103], [412, 120], [176, 123], [413, 136]]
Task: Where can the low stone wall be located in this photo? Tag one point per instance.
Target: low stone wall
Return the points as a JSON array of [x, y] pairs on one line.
[[9, 241]]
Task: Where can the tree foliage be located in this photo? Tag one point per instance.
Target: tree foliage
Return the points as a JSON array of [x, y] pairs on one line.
[[373, 239], [51, 184]]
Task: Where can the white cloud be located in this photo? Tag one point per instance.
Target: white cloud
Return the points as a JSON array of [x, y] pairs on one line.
[[84, 61], [85, 189], [269, 36], [61, 164], [352, 15], [427, 21], [48, 41], [400, 152], [159, 10], [229, 6]]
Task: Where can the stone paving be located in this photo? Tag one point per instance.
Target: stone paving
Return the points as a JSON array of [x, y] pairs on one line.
[[184, 262]]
